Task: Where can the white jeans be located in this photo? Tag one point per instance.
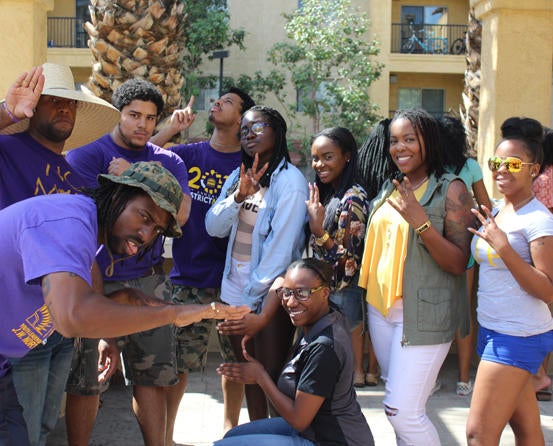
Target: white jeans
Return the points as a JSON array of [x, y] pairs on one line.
[[409, 373]]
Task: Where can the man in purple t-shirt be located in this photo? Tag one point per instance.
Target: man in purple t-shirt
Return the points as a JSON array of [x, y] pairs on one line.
[[48, 246], [148, 357], [198, 258], [41, 116]]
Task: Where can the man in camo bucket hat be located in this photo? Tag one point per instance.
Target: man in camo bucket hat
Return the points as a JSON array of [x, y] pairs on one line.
[[160, 184]]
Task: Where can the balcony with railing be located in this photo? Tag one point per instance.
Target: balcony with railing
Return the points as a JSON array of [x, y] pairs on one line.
[[412, 38], [66, 32]]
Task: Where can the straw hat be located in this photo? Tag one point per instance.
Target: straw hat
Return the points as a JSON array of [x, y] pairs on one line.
[[95, 117]]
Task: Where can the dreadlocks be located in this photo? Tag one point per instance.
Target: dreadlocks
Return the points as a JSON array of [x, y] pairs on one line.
[[111, 200], [375, 162], [280, 150], [426, 128]]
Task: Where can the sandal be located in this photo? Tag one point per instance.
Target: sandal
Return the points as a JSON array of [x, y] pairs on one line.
[[358, 380], [464, 388], [371, 379]]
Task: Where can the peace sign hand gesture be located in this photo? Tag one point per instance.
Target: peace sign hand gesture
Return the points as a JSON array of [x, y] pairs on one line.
[[249, 180], [407, 205], [489, 231], [316, 211]]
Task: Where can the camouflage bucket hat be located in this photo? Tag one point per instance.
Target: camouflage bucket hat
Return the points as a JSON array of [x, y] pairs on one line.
[[158, 183]]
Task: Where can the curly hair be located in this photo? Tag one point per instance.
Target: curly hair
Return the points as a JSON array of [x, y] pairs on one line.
[[139, 89], [247, 101], [280, 148]]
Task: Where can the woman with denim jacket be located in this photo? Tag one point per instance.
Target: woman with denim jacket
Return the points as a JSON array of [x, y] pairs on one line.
[[338, 208], [262, 210], [413, 268]]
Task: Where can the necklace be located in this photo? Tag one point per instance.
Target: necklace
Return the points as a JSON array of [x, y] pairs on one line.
[[524, 202], [419, 183], [225, 146]]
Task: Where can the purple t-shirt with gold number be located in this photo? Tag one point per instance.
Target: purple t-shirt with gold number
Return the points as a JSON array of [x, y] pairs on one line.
[[198, 258]]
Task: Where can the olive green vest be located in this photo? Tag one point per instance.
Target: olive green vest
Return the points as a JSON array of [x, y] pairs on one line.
[[435, 303]]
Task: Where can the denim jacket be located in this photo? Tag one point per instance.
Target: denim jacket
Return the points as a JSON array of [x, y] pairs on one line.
[[435, 302], [278, 235]]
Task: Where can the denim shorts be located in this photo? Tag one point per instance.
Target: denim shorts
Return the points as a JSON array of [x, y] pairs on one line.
[[351, 301], [526, 353]]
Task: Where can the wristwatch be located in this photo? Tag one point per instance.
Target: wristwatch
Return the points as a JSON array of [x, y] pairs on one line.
[[426, 225], [320, 241]]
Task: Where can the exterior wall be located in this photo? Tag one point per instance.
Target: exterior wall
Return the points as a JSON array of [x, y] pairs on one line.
[[451, 83], [18, 53], [516, 72]]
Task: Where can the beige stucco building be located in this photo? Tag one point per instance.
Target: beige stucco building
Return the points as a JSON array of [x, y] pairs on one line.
[[417, 40]]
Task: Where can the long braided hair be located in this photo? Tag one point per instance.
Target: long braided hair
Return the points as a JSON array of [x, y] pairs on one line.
[[454, 140], [375, 163], [280, 150]]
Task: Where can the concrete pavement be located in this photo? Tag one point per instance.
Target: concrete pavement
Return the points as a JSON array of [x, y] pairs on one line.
[[199, 420]]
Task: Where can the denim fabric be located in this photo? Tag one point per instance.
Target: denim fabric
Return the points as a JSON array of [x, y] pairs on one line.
[[278, 235], [266, 432], [523, 352], [350, 302], [39, 378], [13, 431]]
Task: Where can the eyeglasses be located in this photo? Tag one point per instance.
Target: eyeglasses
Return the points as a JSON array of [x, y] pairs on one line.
[[301, 294], [511, 163], [256, 128]]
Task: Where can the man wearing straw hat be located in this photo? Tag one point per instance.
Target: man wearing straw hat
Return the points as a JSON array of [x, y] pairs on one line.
[[149, 358], [49, 244], [41, 116]]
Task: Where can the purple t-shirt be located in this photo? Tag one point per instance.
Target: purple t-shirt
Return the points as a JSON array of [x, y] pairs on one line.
[[40, 235], [198, 258], [27, 169], [93, 159]]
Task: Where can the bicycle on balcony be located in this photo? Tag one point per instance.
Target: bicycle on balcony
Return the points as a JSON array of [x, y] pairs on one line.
[[459, 45], [428, 44]]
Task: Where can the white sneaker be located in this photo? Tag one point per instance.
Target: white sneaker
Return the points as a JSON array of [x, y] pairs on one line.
[[464, 389]]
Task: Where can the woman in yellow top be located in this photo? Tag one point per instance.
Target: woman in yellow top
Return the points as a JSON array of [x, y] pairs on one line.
[[413, 268]]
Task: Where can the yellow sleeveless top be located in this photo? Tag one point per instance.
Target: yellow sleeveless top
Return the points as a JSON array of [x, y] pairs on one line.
[[381, 272]]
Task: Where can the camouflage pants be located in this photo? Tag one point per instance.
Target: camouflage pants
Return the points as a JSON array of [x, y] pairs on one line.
[[148, 357], [192, 340]]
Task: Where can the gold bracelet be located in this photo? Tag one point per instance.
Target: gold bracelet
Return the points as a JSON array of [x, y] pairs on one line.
[[320, 241], [426, 225], [214, 307]]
